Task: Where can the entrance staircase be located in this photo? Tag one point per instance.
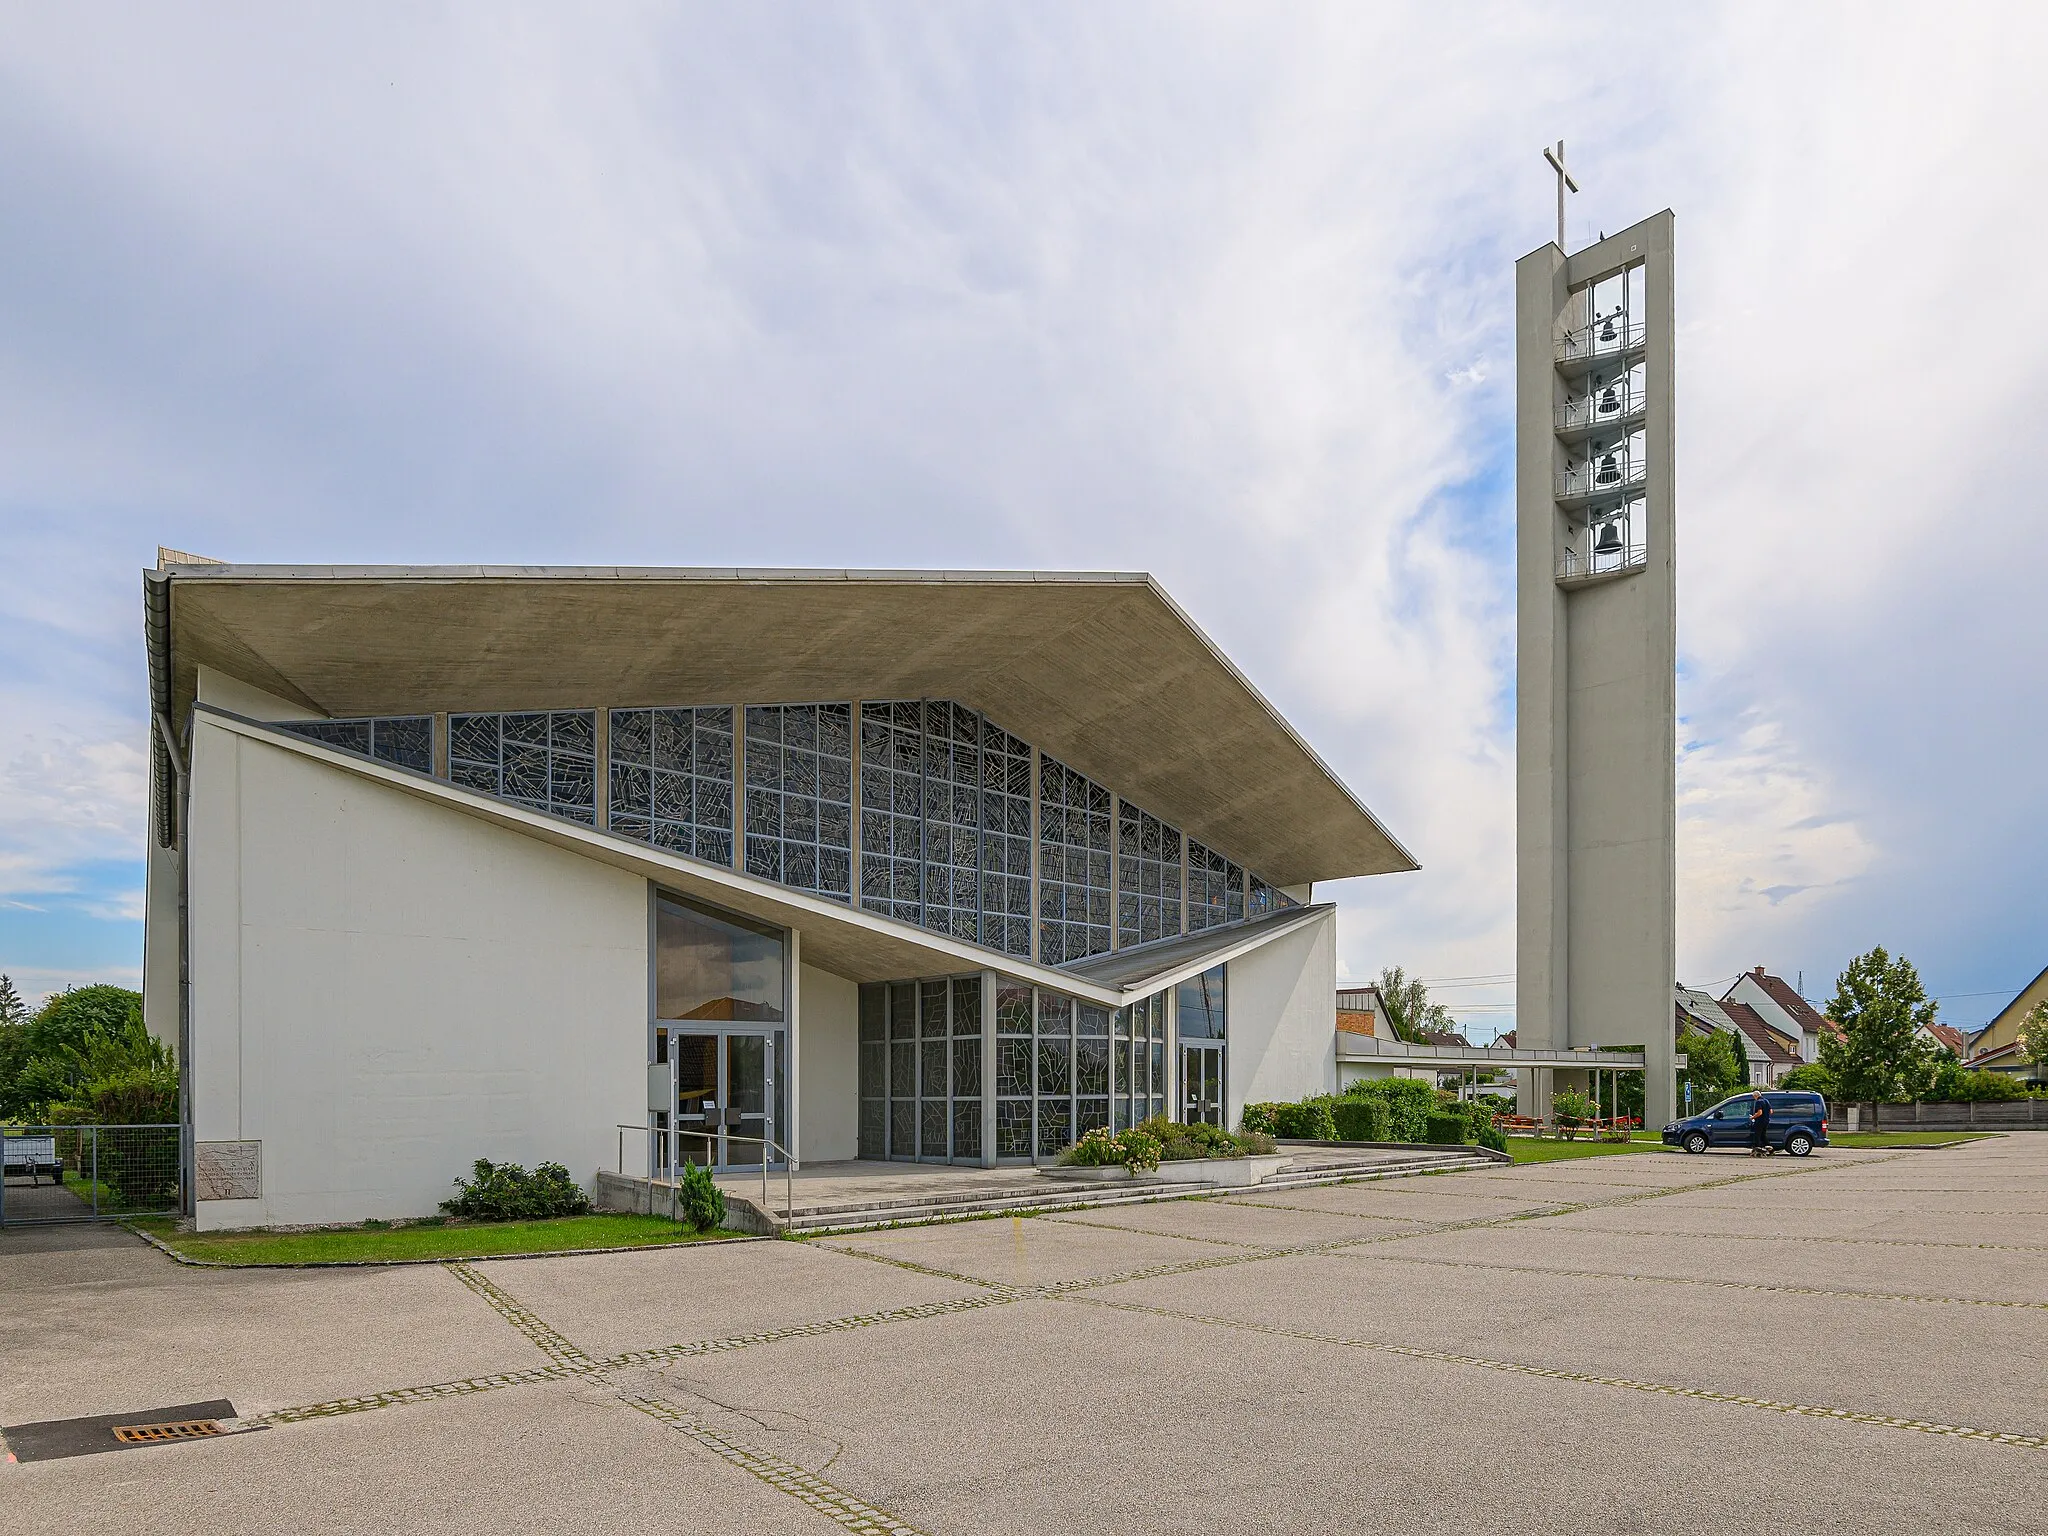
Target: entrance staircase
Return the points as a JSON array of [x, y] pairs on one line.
[[903, 1203]]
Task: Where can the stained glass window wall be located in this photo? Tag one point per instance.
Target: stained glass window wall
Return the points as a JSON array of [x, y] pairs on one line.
[[545, 759], [671, 779], [1148, 878], [1073, 864], [799, 796], [1215, 889], [892, 810], [404, 741]]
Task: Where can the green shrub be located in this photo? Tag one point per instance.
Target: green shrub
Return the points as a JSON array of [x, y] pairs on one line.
[[1310, 1120], [1259, 1117], [1182, 1143], [1989, 1088], [1493, 1138], [701, 1203], [1445, 1129], [507, 1192], [1133, 1149], [1361, 1119], [1811, 1077], [1409, 1100], [1571, 1106]]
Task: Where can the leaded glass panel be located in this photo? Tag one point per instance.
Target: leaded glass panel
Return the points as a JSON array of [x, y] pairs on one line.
[[934, 1122], [1013, 1128], [967, 1005], [891, 810], [1260, 899], [903, 1128], [1089, 1115], [1005, 841], [799, 796], [1091, 1067], [1013, 1069], [966, 1066], [1055, 1126], [1073, 865], [1148, 877], [671, 779], [952, 820], [404, 741], [967, 1127], [1013, 1010], [1215, 889], [545, 759]]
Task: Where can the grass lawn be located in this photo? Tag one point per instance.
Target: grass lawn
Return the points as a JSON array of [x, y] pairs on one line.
[[449, 1240], [1527, 1149], [1902, 1138]]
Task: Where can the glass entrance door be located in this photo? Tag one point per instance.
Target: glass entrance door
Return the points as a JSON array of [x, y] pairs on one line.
[[729, 1096], [1201, 1082]]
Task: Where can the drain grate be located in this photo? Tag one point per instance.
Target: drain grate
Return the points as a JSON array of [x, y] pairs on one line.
[[152, 1434]]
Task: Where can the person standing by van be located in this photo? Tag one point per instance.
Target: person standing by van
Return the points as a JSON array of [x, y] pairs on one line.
[[1760, 1126]]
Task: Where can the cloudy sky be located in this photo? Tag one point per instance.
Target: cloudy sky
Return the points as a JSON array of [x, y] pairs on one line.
[[1220, 292]]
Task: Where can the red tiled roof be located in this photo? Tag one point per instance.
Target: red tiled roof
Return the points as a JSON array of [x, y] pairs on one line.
[[1950, 1036], [1766, 1039], [1444, 1037], [1507, 1040], [1803, 1013]]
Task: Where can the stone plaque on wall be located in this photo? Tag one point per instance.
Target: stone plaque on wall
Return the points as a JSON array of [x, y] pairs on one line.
[[227, 1170]]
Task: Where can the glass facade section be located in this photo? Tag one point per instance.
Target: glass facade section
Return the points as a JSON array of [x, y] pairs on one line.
[[1215, 889], [716, 966], [404, 741], [1198, 1006], [671, 779], [1005, 841], [920, 1070], [952, 820], [1148, 877], [544, 759], [1073, 865], [942, 801], [1138, 1062], [799, 796]]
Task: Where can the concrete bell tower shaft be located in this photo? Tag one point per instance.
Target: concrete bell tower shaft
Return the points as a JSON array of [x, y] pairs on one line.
[[1596, 674]]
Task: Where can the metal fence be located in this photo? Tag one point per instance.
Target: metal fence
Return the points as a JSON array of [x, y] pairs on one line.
[[88, 1172]]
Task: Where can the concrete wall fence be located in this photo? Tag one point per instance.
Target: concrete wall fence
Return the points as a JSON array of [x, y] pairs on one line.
[[2012, 1115]]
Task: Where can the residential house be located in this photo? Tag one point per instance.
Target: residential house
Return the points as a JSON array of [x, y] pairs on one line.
[[1997, 1047], [1777, 1003]]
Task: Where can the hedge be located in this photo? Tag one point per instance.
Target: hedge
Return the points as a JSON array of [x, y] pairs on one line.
[[1447, 1128], [1410, 1102], [1362, 1120], [1310, 1120]]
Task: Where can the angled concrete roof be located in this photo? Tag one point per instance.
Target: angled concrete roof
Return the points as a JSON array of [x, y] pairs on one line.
[[1102, 670]]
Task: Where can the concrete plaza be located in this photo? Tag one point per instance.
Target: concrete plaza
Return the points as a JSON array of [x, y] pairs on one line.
[[1637, 1343]]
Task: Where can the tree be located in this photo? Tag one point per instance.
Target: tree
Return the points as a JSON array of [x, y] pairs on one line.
[[2033, 1033], [1881, 1005], [1409, 1009], [1810, 1077], [77, 1036], [13, 1011], [1711, 1067]]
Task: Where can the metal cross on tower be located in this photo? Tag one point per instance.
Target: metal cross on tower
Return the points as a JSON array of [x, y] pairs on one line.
[[1564, 180]]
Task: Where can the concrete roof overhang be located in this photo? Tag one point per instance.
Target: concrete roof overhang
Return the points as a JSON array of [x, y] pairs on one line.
[[845, 940], [1101, 670]]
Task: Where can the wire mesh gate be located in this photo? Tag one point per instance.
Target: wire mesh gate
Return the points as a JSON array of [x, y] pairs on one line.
[[58, 1173]]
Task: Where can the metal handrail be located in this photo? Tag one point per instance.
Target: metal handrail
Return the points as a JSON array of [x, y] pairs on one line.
[[1584, 410], [767, 1144], [1572, 565], [1583, 478], [1592, 340]]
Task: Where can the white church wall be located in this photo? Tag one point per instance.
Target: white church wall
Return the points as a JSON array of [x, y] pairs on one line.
[[828, 1045], [385, 990], [1283, 1018]]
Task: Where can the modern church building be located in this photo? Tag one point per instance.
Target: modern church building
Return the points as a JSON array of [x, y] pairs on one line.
[[461, 862]]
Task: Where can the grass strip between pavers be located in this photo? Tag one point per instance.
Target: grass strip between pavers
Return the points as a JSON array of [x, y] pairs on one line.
[[390, 1245]]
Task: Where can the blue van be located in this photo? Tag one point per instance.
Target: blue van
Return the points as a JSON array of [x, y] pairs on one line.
[[1799, 1123]]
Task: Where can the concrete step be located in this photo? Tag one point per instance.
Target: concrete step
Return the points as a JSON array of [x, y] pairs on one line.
[[995, 1200]]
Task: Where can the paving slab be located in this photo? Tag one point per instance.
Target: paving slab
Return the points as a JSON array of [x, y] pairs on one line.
[[1233, 1222], [1067, 1416], [1016, 1250], [1428, 1203], [609, 1303], [1984, 1274], [1950, 1363], [539, 1459], [96, 1321]]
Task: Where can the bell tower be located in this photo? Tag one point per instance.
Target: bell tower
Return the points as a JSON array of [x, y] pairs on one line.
[[1596, 702]]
